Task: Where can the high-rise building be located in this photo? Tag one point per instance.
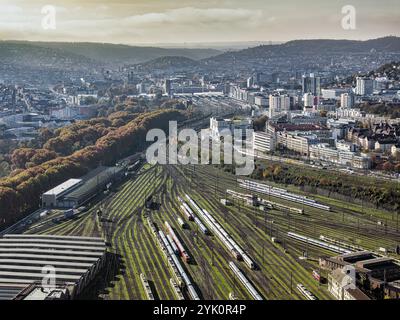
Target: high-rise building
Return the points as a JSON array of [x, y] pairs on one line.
[[309, 100], [311, 84], [365, 86], [278, 103], [250, 82], [347, 100], [167, 87]]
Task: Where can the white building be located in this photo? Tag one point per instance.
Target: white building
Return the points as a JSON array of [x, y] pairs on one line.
[[332, 93], [342, 288], [261, 101], [347, 100], [263, 142], [217, 126], [324, 152], [278, 103], [50, 198], [364, 87]]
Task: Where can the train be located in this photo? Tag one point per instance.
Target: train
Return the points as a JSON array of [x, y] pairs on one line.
[[187, 214], [201, 226], [165, 251], [186, 209], [236, 247], [177, 290], [319, 243], [178, 243], [189, 285], [341, 243], [225, 238], [305, 292], [133, 167], [250, 288], [316, 275], [147, 287], [253, 200], [182, 223], [172, 243], [281, 193]]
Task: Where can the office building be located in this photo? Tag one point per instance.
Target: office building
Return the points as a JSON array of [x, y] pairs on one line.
[[278, 103], [311, 84]]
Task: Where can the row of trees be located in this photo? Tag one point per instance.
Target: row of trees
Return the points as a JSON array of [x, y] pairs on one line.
[[21, 192], [383, 194]]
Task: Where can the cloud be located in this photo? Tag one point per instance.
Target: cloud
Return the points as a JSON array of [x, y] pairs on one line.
[[127, 21], [192, 15]]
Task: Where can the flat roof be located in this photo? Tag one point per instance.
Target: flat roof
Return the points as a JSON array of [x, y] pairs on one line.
[[60, 252], [92, 181], [49, 245], [38, 275], [40, 269], [49, 236], [48, 257], [22, 258], [371, 263], [47, 262], [65, 186], [10, 291], [44, 241]]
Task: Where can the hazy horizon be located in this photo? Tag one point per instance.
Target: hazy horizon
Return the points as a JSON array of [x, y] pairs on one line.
[[204, 45], [187, 21]]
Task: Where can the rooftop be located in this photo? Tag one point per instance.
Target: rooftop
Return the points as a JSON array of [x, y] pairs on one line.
[[67, 185], [23, 257]]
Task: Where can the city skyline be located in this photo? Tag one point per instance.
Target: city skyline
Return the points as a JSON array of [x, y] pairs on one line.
[[177, 22]]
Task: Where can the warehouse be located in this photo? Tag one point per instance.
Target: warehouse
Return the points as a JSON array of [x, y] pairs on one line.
[[76, 192], [75, 262], [50, 198]]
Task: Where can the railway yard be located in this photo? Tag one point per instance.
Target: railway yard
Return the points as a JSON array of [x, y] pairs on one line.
[[168, 230]]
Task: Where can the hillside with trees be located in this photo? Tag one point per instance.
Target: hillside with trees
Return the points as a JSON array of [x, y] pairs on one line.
[[21, 191]]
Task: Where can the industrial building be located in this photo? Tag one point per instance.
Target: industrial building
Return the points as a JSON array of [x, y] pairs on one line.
[[376, 276], [76, 192], [25, 260]]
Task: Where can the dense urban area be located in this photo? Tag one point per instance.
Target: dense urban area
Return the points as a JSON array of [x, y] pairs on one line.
[[317, 218]]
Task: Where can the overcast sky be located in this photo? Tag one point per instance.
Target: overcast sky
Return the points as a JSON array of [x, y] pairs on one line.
[[179, 21]]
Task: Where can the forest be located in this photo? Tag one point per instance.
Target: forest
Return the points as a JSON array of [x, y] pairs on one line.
[[71, 152]]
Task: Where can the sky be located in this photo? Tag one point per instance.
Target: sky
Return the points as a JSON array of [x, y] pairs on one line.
[[188, 21]]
